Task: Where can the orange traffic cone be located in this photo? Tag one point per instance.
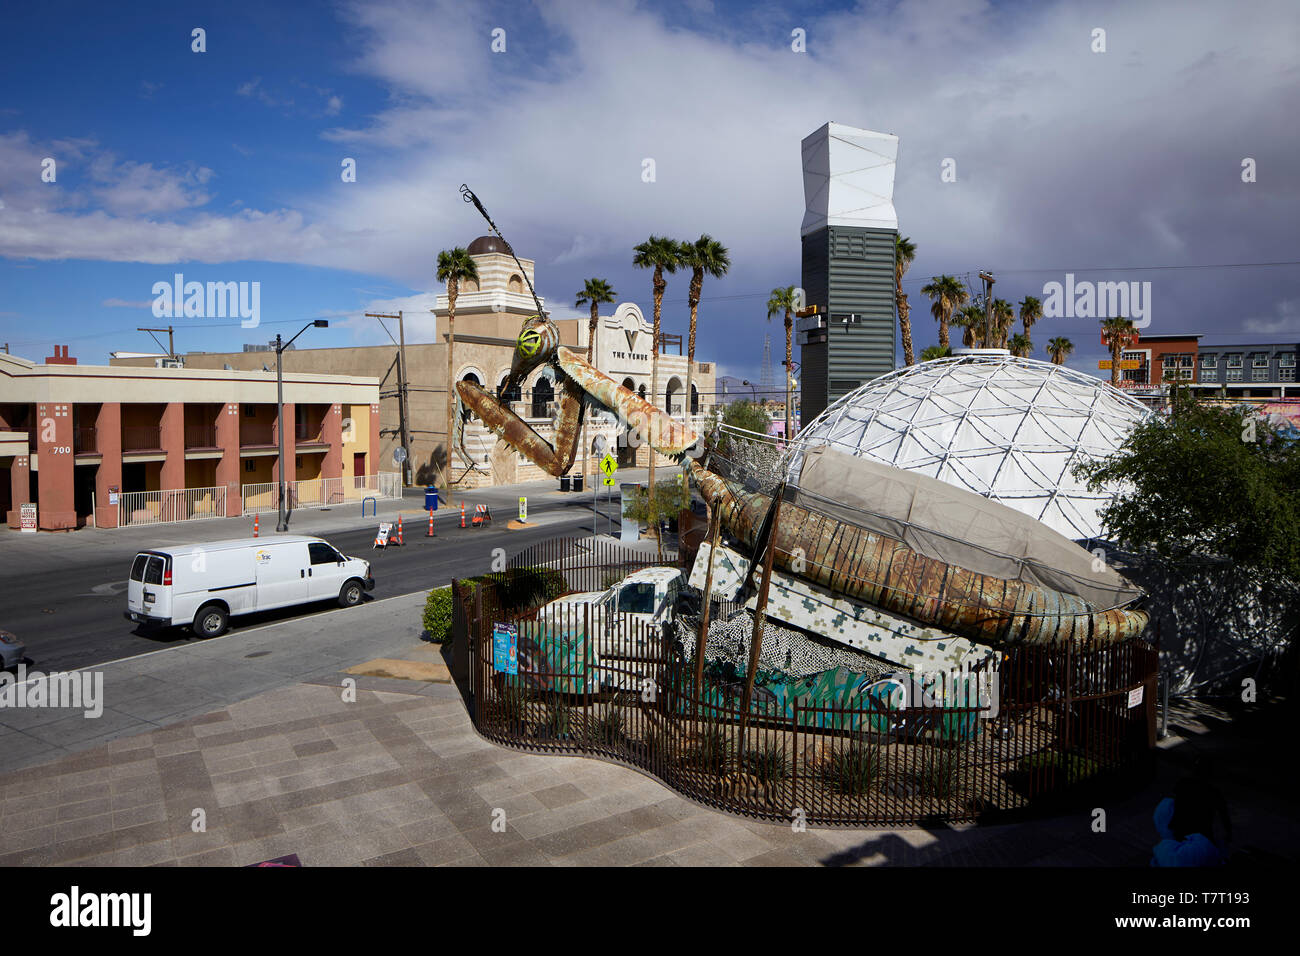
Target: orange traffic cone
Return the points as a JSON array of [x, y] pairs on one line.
[[254, 526], [399, 530], [430, 534], [462, 514]]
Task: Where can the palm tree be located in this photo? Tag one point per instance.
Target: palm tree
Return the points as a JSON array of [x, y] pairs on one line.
[[595, 292], [904, 253], [946, 294], [1019, 345], [1117, 333], [1058, 348], [454, 267], [662, 255], [1004, 320], [704, 255], [935, 352], [1031, 310], [971, 322], [785, 300]]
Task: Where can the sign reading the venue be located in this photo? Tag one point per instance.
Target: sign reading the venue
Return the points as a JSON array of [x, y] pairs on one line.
[[505, 648]]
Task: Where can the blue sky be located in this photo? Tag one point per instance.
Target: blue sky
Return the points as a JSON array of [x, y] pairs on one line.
[[224, 165]]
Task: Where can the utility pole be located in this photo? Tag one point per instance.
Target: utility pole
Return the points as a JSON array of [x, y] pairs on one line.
[[988, 308], [171, 346], [402, 424]]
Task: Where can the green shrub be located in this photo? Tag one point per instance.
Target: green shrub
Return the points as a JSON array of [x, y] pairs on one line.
[[437, 615], [853, 769]]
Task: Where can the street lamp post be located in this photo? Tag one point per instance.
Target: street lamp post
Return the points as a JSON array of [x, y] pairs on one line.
[[283, 524]]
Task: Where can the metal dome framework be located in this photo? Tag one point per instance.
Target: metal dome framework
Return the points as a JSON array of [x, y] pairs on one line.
[[1007, 428]]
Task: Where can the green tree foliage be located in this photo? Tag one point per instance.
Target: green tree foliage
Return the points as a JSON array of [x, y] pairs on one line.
[[743, 414], [671, 497], [936, 351], [1206, 481]]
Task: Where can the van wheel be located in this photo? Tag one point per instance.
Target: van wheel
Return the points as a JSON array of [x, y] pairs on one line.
[[211, 621], [350, 595]]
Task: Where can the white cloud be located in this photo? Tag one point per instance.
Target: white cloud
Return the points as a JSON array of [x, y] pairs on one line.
[[1065, 158]]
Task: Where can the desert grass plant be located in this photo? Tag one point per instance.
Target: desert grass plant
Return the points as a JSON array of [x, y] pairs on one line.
[[768, 763], [610, 727], [853, 770], [558, 717], [710, 751], [940, 774]]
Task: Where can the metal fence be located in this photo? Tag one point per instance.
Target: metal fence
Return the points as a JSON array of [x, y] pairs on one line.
[[185, 504], [182, 504], [1037, 723], [263, 497]]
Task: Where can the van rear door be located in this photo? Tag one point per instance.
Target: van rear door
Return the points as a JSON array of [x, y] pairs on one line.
[[148, 591]]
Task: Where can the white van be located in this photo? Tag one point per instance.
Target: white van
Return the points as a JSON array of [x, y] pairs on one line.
[[207, 584]]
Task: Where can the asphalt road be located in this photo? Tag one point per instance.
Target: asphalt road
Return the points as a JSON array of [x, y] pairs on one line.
[[72, 617]]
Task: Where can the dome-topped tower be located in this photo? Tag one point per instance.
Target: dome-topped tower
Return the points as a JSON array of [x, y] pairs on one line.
[[1007, 428], [486, 244]]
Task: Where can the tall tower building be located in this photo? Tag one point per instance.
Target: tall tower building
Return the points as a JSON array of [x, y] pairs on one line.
[[848, 234]]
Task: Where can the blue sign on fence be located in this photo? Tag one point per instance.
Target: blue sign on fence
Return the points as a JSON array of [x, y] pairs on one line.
[[505, 648]]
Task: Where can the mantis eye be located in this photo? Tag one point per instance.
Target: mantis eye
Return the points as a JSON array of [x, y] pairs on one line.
[[530, 340]]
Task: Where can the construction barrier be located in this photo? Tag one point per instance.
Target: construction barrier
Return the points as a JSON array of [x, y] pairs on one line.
[[481, 515]]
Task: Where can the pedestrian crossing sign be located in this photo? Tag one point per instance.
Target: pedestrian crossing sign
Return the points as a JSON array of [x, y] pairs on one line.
[[608, 465]]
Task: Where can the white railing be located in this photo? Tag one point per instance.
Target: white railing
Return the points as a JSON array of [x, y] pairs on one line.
[[179, 504], [263, 497], [186, 504]]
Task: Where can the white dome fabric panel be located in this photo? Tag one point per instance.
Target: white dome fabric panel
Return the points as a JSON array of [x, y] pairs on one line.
[[1007, 428]]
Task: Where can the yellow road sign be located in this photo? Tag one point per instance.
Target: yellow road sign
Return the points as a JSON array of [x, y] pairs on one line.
[[1123, 364], [608, 480], [608, 465]]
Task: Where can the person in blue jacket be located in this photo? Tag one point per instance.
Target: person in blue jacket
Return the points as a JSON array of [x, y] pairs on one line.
[[1186, 824]]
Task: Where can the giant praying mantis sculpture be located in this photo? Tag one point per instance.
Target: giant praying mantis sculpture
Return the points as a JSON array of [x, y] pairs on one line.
[[836, 555]]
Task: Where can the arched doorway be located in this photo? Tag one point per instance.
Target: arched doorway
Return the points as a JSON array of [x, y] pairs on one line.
[[673, 396], [695, 399]]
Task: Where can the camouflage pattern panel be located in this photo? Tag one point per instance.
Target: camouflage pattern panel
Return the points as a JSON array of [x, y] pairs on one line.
[[797, 602]]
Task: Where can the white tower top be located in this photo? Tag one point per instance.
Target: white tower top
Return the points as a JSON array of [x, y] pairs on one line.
[[848, 178]]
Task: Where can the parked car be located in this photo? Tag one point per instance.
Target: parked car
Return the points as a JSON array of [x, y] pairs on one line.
[[12, 651], [625, 621], [205, 585]]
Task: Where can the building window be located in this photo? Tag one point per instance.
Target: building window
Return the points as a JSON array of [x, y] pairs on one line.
[[1286, 374], [1209, 361], [250, 465], [1234, 374], [1258, 374], [250, 411], [1209, 374], [1286, 360], [1259, 360], [1234, 361], [543, 395], [515, 284]]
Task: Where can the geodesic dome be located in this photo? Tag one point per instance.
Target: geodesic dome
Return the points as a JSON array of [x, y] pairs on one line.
[[1007, 428]]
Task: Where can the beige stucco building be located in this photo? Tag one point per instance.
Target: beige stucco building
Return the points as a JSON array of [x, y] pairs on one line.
[[488, 318]]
